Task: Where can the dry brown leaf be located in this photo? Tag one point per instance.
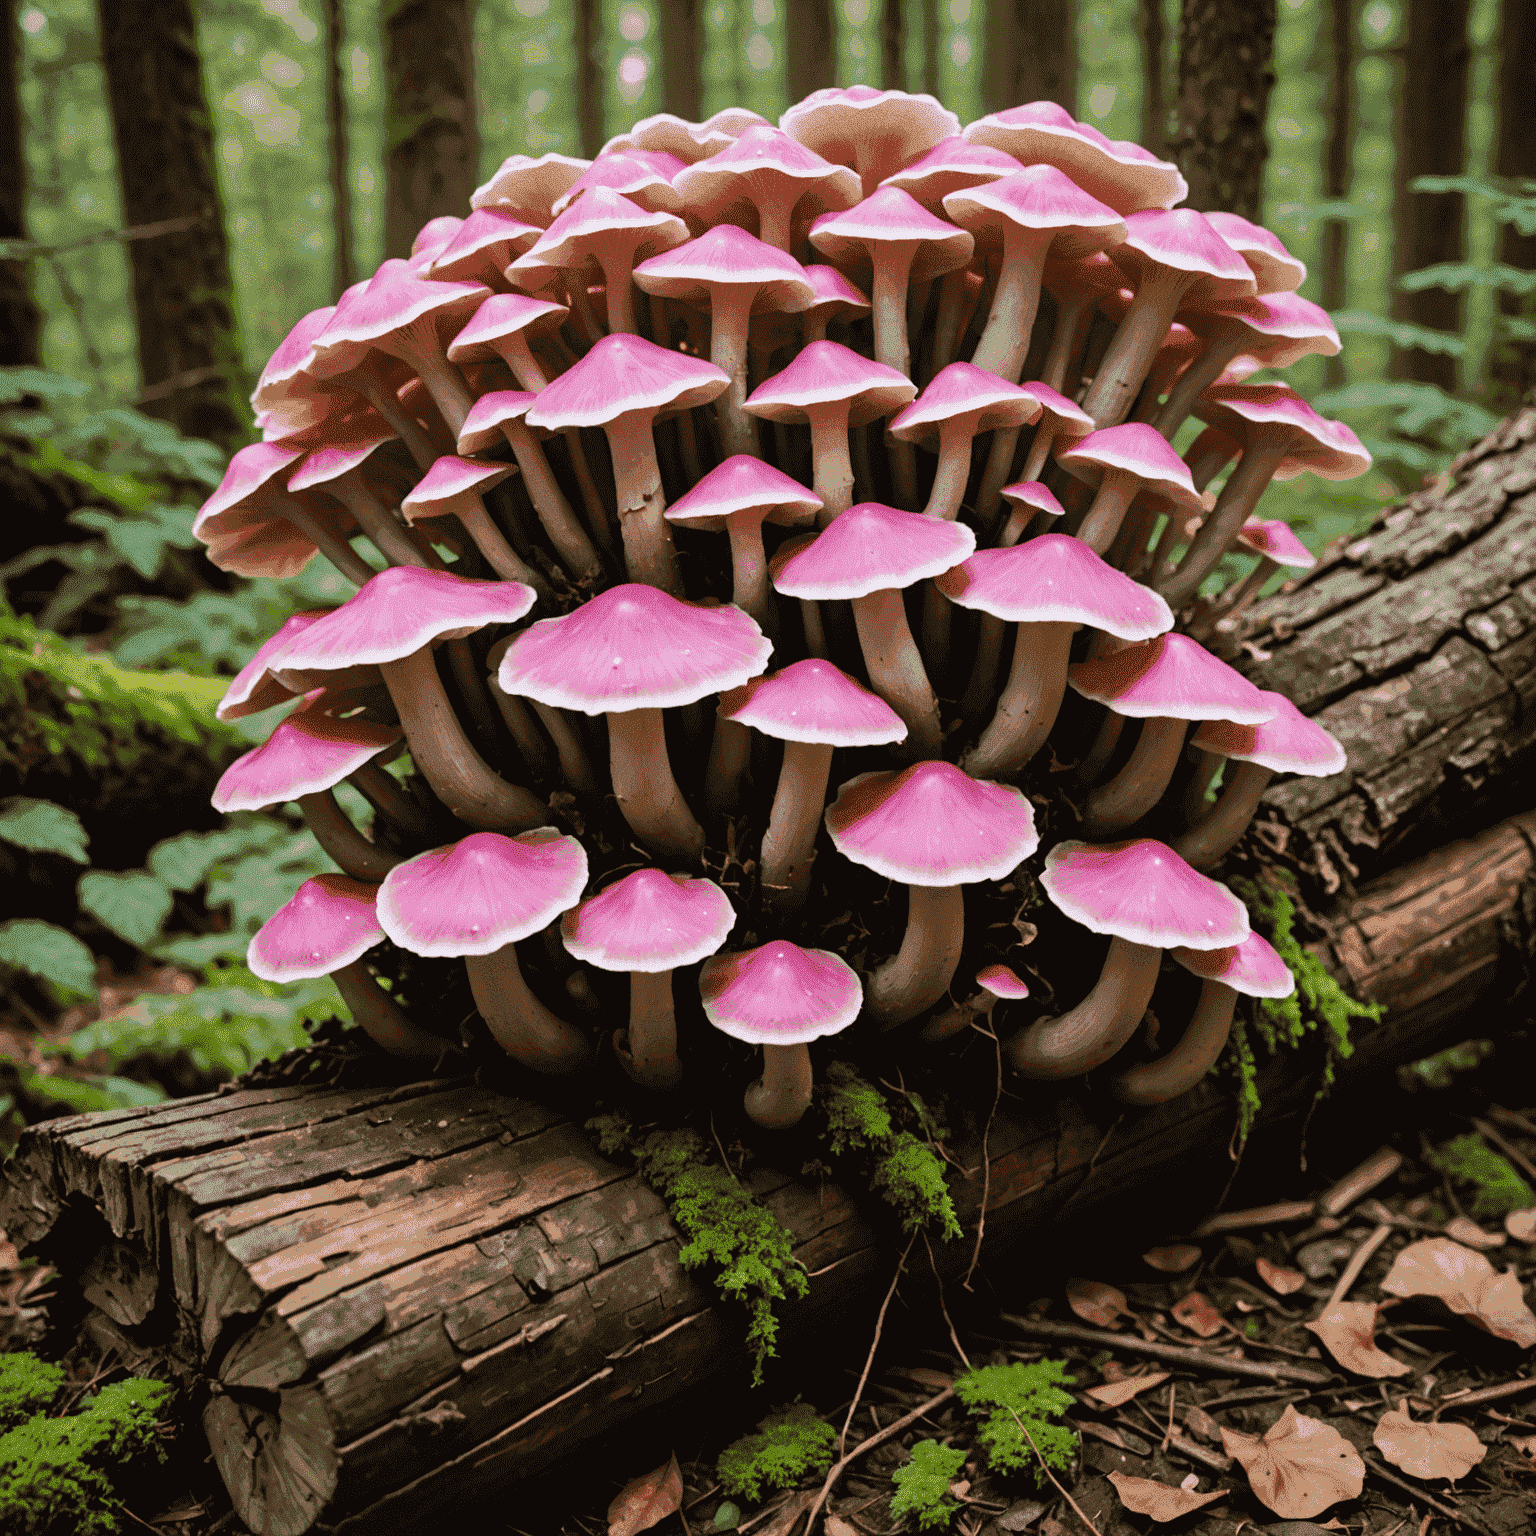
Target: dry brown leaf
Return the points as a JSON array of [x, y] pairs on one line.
[[1521, 1225], [647, 1500], [1526, 1445], [1323, 1257], [9, 1258], [1147, 1496], [1282, 1281], [1202, 1426], [1115, 1394], [1463, 1229], [1095, 1302], [1347, 1330], [1174, 1260], [837, 1526], [1102, 1432], [1468, 1284], [788, 1516], [1428, 1450], [1198, 1315], [1300, 1467]]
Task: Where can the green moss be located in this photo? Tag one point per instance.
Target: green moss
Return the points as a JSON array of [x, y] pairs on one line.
[[1009, 1399], [1442, 1069], [27, 1386], [922, 1486], [1498, 1188], [790, 1444]]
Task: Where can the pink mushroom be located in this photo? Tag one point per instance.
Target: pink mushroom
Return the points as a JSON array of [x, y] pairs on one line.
[[833, 297], [456, 487], [1060, 421], [876, 132], [482, 248], [505, 326], [1028, 502], [644, 176], [1276, 545], [527, 186], [1275, 270], [690, 142], [997, 984], [951, 166], [1118, 462]]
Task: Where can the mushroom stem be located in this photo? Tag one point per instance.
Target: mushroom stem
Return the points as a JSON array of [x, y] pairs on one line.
[[833, 474], [381, 1018], [619, 291], [1015, 301], [948, 323], [750, 589], [919, 973], [1155, 1082], [781, 1096], [1039, 451], [1102, 521], [366, 381], [456, 772], [896, 670], [520, 727], [1219, 829], [1140, 783], [1206, 764], [647, 793], [888, 296], [384, 532], [1086, 1036], [942, 1025], [1203, 371], [565, 532], [994, 476], [651, 1057], [1235, 599], [335, 833], [811, 626], [524, 1028], [332, 545], [1118, 377], [591, 497], [499, 555], [729, 320], [1074, 316], [935, 628], [385, 794], [649, 555], [789, 844], [575, 767], [1030, 702], [955, 439], [730, 752], [418, 345]]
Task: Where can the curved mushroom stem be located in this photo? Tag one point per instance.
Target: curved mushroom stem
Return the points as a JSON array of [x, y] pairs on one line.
[[650, 1054], [649, 555], [491, 543], [942, 1025], [381, 1018], [417, 343], [384, 533], [560, 522], [1206, 764], [575, 767], [1140, 784], [1226, 821], [1102, 520], [989, 495], [729, 319], [1204, 370], [1226, 609], [1074, 316], [456, 772], [1155, 1082], [947, 325], [1030, 702], [781, 1096], [524, 1028], [335, 833], [333, 546], [934, 626], [750, 589], [896, 670], [832, 477], [591, 497], [367, 382], [1086, 1036], [387, 796], [730, 754], [919, 973], [1005, 341], [888, 296], [1118, 378], [789, 844], [520, 727], [1103, 748], [647, 793], [814, 632], [955, 438], [1039, 451]]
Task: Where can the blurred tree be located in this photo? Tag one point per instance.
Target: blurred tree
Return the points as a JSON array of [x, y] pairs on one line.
[[183, 296], [1154, 77], [930, 13], [682, 45], [1514, 154], [589, 83], [1343, 20], [333, 40], [1431, 141], [431, 138], [1031, 53], [21, 322], [810, 36], [1226, 52], [893, 46]]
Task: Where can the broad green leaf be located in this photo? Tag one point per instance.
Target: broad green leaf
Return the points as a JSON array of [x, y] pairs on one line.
[[40, 826], [1400, 333], [1455, 276], [132, 905], [183, 862], [45, 950], [87, 1095], [17, 383], [1305, 213]]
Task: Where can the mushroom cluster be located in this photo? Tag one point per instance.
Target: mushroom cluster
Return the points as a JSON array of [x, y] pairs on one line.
[[924, 379]]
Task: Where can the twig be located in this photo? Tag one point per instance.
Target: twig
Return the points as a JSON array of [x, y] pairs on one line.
[[1360, 1258], [20, 250], [176, 383], [1256, 1216], [1173, 1392], [1214, 1460], [1359, 1182], [1486, 1395], [1507, 1147], [874, 1343], [986, 1162], [1076, 1509], [954, 1338], [1444, 1510], [1197, 1359], [1093, 1162]]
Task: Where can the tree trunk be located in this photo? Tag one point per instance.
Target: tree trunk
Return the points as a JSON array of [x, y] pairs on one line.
[[682, 42], [432, 139], [21, 322], [1226, 53], [333, 40], [589, 80], [1154, 86], [1429, 227], [810, 42], [1514, 154], [1031, 53], [893, 45], [183, 298], [1343, 19], [932, 43]]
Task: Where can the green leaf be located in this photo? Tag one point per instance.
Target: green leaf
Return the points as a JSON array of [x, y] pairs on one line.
[[43, 949], [1303, 213], [1400, 333], [1455, 276], [132, 905], [17, 383], [1419, 407], [40, 826], [183, 862], [87, 1095]]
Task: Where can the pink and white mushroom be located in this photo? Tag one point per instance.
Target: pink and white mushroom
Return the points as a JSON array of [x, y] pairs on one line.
[[351, 472], [690, 142], [1118, 462], [1275, 270], [527, 186], [1028, 502], [324, 929], [996, 984], [506, 326], [255, 687], [476, 898], [456, 487], [936, 829], [644, 176], [1276, 545], [951, 166], [1251, 968], [781, 997], [649, 924], [875, 132], [833, 297], [483, 247], [1147, 899]]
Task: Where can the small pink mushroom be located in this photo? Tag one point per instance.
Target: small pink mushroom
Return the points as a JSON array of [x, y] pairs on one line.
[[997, 984], [1118, 462]]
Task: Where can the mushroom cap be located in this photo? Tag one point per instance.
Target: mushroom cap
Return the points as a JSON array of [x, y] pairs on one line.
[[254, 688], [780, 994], [483, 892], [633, 647], [1124, 175], [813, 701], [527, 186], [744, 483], [1133, 448], [268, 547], [764, 163], [289, 357], [488, 234], [869, 548], [644, 176], [931, 824], [1272, 538], [500, 316], [690, 142], [1142, 891], [649, 921], [726, 257], [1170, 677], [599, 220], [1324, 448], [1252, 967], [322, 465], [1056, 579], [394, 298], [327, 923], [1184, 241], [482, 426], [399, 611], [623, 373], [450, 483], [307, 752], [256, 468], [1038, 197], [1064, 417], [948, 167], [890, 216], [825, 372], [832, 295], [1275, 270], [431, 238], [1002, 982], [1031, 493], [876, 132], [963, 392], [1288, 742], [1282, 327]]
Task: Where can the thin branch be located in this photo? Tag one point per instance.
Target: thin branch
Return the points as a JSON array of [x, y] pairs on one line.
[[22, 250], [874, 1343], [1512, 1152], [986, 1161], [1360, 1258], [1076, 1508], [1485, 1395], [954, 1338]]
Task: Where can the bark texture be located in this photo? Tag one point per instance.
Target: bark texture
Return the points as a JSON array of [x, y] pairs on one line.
[[334, 41], [183, 299], [1226, 57], [1343, 19], [810, 44], [1514, 154], [1031, 53], [893, 43], [682, 39], [589, 81], [21, 322], [432, 141], [1154, 79]]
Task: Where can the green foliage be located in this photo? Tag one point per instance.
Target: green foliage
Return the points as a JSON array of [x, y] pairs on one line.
[[922, 1486], [49, 952], [57, 1475], [1497, 1188], [40, 826], [790, 1444], [28, 1386], [130, 903], [1444, 1067], [1010, 1399], [726, 1225]]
